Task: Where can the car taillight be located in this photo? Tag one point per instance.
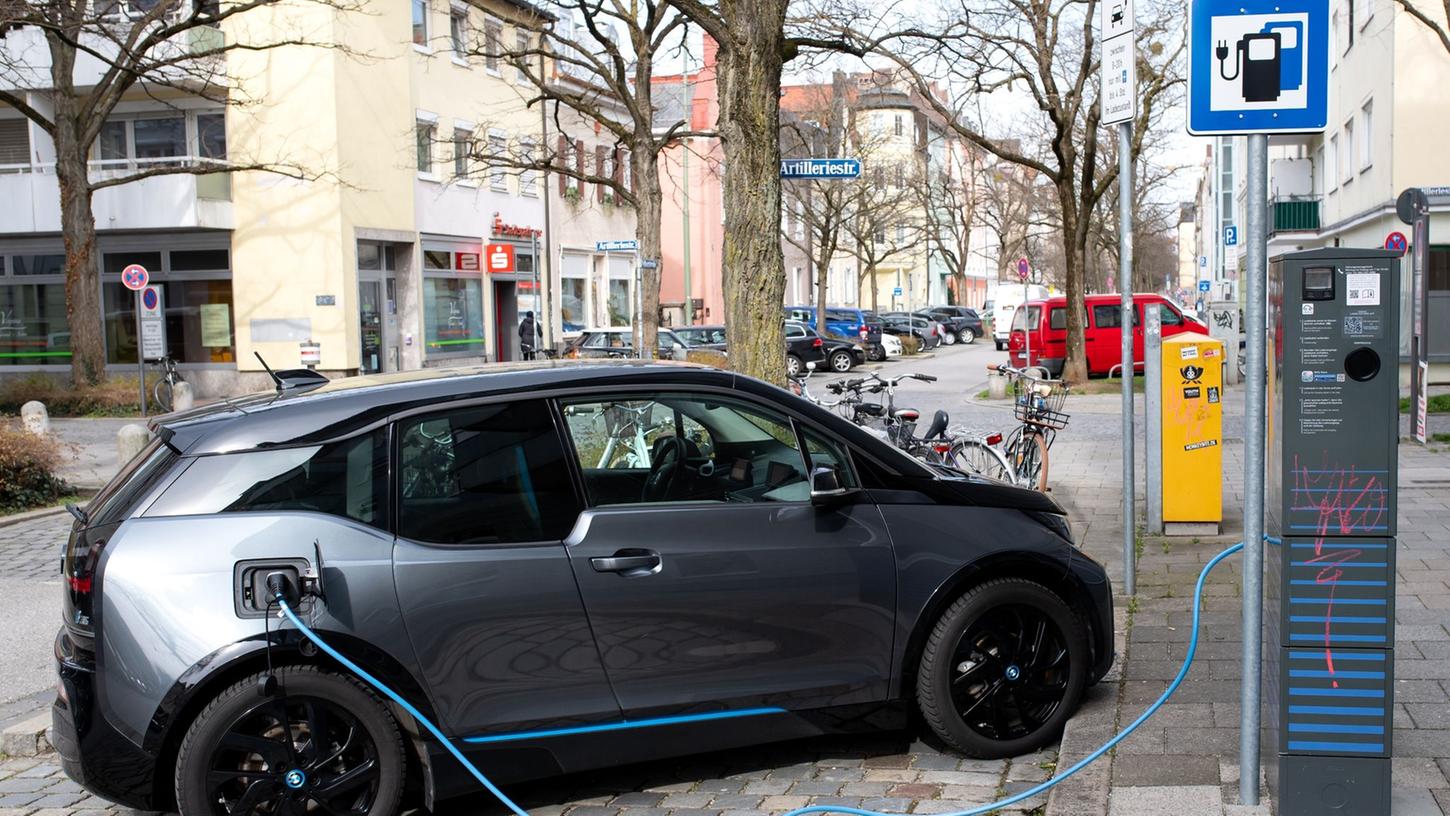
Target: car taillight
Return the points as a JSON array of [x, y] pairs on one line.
[[864, 332], [817, 343]]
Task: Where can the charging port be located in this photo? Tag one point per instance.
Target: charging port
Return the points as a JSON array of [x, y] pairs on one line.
[[250, 596]]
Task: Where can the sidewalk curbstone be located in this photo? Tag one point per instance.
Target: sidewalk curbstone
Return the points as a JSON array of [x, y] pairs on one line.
[[27, 738]]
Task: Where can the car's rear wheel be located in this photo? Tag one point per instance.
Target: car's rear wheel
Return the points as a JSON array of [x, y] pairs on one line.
[[1004, 667], [947, 338], [966, 336], [322, 744], [793, 365], [1001, 345], [841, 361]]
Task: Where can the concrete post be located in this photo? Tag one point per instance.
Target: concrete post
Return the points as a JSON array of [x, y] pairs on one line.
[[35, 418], [1153, 418], [183, 396], [996, 386], [130, 440]]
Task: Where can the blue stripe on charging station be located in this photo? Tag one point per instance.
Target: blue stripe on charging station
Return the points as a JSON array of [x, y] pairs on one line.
[[1345, 747], [623, 725], [1346, 675], [1335, 728], [1338, 711]]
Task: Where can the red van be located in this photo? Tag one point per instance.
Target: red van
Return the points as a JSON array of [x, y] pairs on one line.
[[1048, 319]]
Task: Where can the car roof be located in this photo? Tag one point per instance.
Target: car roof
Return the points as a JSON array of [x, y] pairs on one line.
[[1111, 297], [341, 407]]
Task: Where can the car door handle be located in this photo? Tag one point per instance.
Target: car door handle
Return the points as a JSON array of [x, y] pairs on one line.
[[628, 561]]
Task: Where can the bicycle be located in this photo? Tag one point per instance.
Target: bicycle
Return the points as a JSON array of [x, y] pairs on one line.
[[165, 389], [1037, 405]]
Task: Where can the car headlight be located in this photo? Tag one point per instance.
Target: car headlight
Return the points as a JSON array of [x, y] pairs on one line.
[[1055, 523]]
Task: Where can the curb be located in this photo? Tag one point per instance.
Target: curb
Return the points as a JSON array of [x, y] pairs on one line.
[[30, 515], [27, 738]]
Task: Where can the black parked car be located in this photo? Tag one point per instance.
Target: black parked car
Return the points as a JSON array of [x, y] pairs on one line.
[[841, 355], [802, 345], [965, 323], [565, 565], [710, 337]]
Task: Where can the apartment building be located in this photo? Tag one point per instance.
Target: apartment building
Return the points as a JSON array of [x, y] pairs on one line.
[[1386, 116], [378, 260]]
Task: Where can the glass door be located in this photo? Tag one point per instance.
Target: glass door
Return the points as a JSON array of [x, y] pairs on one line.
[[370, 318]]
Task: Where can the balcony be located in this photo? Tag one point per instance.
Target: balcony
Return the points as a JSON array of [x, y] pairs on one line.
[[1295, 214], [180, 201]]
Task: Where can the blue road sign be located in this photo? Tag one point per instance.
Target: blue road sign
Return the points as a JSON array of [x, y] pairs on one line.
[[897, 292], [820, 168], [1230, 236], [1203, 286], [1258, 66]]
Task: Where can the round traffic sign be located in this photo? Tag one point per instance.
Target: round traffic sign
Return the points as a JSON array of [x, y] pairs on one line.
[[149, 298], [1023, 268], [135, 277], [1397, 242]]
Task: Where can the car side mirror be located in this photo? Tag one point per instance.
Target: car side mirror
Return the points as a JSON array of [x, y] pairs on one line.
[[826, 486]]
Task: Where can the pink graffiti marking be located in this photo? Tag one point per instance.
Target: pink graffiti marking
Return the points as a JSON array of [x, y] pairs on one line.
[[1350, 501]]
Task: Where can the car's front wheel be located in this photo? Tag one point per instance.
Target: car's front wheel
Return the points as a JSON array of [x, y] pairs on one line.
[[1003, 669], [793, 365], [841, 361], [322, 744], [966, 336]]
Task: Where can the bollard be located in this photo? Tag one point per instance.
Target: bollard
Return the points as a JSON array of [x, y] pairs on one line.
[[182, 397], [996, 385], [130, 440], [35, 418]]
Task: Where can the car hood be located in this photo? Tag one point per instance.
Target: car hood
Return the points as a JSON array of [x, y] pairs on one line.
[[978, 491]]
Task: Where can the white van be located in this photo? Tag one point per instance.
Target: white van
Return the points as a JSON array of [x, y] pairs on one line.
[[1008, 297]]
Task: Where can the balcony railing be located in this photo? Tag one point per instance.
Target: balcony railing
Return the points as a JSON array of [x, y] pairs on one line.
[[1295, 214], [208, 185]]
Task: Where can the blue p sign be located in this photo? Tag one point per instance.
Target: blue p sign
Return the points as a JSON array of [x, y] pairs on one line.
[[1230, 236]]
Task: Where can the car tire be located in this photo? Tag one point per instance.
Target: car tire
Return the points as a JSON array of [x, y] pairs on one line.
[[841, 361], [1000, 345], [793, 365], [979, 669], [966, 337], [948, 338], [241, 712], [876, 353]]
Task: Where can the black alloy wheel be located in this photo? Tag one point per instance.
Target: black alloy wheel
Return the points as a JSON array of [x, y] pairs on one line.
[[322, 746], [1003, 669]]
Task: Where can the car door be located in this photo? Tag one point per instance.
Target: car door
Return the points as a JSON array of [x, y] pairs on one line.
[[484, 501], [721, 586], [1104, 342]]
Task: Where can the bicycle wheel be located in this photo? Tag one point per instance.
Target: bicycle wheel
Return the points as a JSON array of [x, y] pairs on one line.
[[1027, 453], [976, 456], [162, 392]]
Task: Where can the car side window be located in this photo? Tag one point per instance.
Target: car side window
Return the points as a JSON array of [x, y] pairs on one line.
[[1107, 317], [1168, 316], [691, 448], [347, 478], [1057, 319], [487, 474]]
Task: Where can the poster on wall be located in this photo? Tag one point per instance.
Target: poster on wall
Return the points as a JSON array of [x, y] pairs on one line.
[[216, 324]]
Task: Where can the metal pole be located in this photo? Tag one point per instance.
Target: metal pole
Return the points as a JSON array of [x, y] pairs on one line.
[[551, 336], [140, 359], [685, 228], [638, 306], [1153, 419], [1026, 327], [1125, 318], [1256, 275]]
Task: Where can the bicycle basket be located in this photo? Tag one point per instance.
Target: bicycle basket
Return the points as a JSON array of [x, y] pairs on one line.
[[1039, 401]]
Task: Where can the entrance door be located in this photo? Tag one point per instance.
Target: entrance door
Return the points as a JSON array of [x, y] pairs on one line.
[[709, 577], [370, 320], [506, 320], [390, 324]]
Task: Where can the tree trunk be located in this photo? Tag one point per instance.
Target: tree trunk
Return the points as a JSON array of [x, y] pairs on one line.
[[1075, 369], [82, 275], [648, 195], [749, 124], [823, 280]]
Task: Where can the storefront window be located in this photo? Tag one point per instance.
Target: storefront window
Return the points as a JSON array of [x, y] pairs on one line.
[[199, 321], [571, 304], [453, 316], [620, 303], [37, 264], [33, 328]]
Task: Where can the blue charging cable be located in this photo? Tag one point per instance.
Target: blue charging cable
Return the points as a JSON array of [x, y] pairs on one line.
[[976, 811]]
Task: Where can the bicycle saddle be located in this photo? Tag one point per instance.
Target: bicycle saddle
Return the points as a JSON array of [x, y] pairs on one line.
[[875, 409], [910, 414], [938, 426]]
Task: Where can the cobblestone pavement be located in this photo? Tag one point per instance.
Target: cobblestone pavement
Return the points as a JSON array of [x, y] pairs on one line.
[[1183, 762]]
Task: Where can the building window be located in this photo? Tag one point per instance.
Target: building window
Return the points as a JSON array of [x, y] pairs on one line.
[[521, 42], [196, 295], [900, 125], [620, 302], [112, 145], [424, 144], [492, 44], [1331, 163], [33, 325], [1338, 38], [1346, 157], [1350, 19], [1366, 135], [14, 142], [420, 23], [452, 315], [1321, 175], [458, 32], [574, 293], [497, 174], [528, 178], [211, 136], [462, 152], [162, 138]]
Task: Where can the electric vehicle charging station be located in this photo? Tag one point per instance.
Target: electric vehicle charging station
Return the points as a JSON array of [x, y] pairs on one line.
[[1333, 418]]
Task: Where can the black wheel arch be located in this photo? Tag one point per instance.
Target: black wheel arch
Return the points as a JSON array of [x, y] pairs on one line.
[[223, 668], [1051, 574]]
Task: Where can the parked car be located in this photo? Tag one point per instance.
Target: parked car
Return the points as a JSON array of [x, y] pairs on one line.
[[890, 345], [711, 337], [841, 355], [925, 331], [964, 323], [566, 565], [619, 343], [1101, 334], [802, 345], [1009, 297], [844, 322]]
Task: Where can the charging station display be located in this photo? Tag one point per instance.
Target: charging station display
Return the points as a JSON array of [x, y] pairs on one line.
[[1333, 432]]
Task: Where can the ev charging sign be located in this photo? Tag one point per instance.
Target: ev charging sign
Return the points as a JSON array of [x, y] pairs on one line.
[[1258, 66]]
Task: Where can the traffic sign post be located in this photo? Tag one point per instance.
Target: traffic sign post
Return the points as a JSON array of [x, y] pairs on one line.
[[1413, 208], [1024, 271], [135, 277]]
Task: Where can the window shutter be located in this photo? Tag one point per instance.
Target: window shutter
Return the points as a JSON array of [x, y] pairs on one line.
[[579, 167], [14, 141], [600, 151]]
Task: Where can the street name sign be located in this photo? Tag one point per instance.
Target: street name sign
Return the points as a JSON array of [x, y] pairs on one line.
[[820, 168], [616, 246], [1258, 66]]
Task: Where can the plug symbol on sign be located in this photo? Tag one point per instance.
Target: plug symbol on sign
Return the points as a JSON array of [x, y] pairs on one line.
[[1266, 62]]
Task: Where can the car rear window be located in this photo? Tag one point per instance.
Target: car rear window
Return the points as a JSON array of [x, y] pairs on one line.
[[116, 499], [347, 478]]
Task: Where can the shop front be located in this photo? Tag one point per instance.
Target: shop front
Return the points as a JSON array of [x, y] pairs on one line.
[[515, 287]]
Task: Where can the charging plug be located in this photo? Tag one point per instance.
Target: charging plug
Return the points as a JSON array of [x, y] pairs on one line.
[[1221, 50], [283, 586]]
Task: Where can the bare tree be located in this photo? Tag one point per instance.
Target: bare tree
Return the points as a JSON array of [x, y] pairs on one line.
[[1440, 28], [1046, 50], [814, 129], [595, 59], [97, 51], [949, 199], [883, 225]]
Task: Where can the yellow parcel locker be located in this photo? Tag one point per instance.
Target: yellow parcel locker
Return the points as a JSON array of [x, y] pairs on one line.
[[1192, 403]]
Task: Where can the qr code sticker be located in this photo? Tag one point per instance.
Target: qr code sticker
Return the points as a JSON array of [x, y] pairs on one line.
[[1353, 324]]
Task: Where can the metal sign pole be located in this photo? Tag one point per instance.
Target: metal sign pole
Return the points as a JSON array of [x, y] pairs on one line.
[[638, 306], [1125, 286], [1255, 428], [140, 357], [1413, 208]]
